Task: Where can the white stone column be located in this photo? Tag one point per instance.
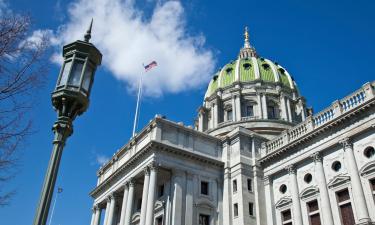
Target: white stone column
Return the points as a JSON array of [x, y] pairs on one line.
[[268, 189], [238, 108], [289, 110], [260, 107], [129, 202], [296, 204], [322, 184], [264, 104], [124, 203], [108, 199], [284, 109], [357, 190], [227, 196], [177, 197], [189, 200], [93, 215], [200, 121], [144, 196], [216, 114], [151, 195], [234, 108], [111, 210], [97, 215]]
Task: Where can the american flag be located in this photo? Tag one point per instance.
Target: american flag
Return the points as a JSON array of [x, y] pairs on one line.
[[59, 190], [150, 66]]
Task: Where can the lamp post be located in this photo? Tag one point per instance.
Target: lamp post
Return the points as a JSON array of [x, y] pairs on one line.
[[69, 99]]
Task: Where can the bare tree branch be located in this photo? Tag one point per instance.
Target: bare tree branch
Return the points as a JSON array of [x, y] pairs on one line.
[[23, 69]]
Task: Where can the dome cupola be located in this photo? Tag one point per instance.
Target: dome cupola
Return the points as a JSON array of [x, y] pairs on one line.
[[252, 92]]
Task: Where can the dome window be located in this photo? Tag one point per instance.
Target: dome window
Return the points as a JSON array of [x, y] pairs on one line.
[[369, 152], [229, 70], [266, 66], [281, 70], [246, 66], [215, 77]]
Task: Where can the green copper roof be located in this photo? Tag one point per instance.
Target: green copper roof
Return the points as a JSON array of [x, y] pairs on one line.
[[248, 70]]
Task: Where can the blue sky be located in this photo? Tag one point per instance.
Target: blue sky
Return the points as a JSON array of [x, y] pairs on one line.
[[327, 46]]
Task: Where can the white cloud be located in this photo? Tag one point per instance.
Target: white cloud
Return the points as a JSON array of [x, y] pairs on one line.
[[101, 159], [127, 39]]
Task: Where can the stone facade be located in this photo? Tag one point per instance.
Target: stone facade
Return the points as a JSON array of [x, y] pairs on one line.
[[240, 165]]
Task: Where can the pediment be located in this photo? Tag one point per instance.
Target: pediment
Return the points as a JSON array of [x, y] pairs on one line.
[[204, 203], [284, 201], [136, 217], [367, 169], [309, 192], [338, 180]]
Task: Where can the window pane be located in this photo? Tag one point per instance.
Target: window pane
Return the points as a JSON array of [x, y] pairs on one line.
[[249, 185], [315, 219], [87, 76], [235, 209], [234, 185], [286, 215], [65, 73], [251, 209], [204, 219], [229, 115], [313, 206], [75, 75], [372, 182], [249, 110], [204, 188], [343, 195], [347, 216]]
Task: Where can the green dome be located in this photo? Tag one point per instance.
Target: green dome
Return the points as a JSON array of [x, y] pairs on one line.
[[249, 70]]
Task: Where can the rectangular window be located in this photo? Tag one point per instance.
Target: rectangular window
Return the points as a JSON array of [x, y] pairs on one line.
[[234, 185], [286, 217], [159, 220], [249, 110], [249, 184], [271, 112], [161, 190], [204, 188], [139, 204], [313, 211], [204, 219], [235, 209], [230, 115], [345, 207], [251, 209]]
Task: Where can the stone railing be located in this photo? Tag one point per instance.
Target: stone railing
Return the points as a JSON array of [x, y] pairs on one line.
[[338, 108]]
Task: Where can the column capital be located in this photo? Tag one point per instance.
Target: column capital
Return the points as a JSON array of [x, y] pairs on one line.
[[346, 143], [316, 157], [146, 171], [130, 182], [153, 166], [110, 197], [267, 180], [291, 169]]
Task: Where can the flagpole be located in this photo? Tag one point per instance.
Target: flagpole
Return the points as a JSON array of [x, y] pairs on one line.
[[53, 209], [137, 106]]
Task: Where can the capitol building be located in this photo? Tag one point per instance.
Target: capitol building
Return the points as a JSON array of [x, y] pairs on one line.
[[256, 155]]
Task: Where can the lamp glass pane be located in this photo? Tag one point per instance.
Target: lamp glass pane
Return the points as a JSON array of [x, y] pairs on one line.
[[87, 77], [65, 73], [75, 75]]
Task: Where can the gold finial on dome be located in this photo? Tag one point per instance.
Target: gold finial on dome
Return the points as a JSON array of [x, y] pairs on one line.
[[246, 35]]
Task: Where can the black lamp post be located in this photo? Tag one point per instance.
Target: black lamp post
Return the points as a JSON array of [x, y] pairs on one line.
[[69, 99]]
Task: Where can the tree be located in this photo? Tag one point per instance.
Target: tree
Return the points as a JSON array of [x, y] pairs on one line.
[[23, 71]]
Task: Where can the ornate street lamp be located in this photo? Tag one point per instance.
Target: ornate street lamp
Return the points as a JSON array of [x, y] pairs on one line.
[[69, 99]]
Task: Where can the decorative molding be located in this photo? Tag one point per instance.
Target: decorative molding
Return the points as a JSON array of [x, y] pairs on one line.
[[291, 169], [267, 180], [367, 169], [346, 143], [284, 201], [338, 180], [317, 157], [309, 192]]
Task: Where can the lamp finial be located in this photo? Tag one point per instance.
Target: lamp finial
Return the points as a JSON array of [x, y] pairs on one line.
[[88, 32]]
